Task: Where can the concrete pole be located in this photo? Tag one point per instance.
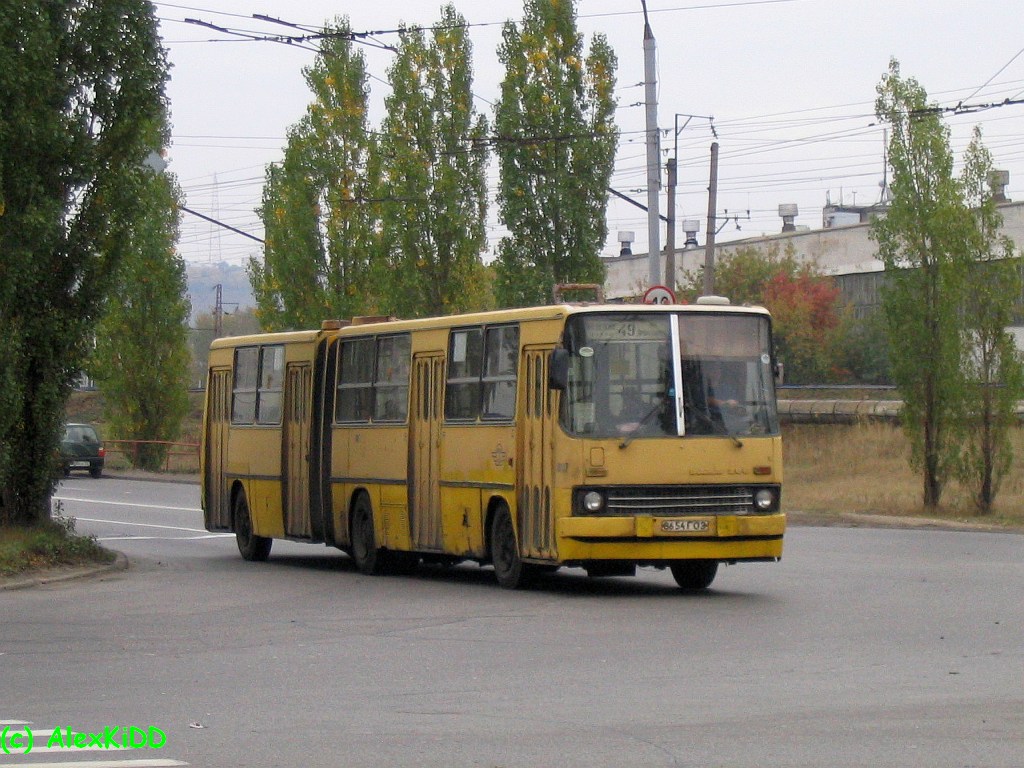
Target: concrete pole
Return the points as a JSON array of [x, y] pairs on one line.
[[709, 248], [670, 233], [653, 165]]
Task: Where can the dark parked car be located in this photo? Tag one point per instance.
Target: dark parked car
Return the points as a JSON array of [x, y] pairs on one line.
[[81, 449]]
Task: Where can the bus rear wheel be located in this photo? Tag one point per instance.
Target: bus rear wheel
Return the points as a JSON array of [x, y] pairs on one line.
[[368, 556], [509, 568], [252, 547], [694, 574]]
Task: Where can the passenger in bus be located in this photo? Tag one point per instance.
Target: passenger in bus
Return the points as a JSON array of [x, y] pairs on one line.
[[718, 386], [630, 411]]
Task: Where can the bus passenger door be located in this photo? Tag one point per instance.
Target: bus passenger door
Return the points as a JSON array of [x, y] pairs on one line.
[[536, 523], [296, 439], [218, 418], [424, 452]]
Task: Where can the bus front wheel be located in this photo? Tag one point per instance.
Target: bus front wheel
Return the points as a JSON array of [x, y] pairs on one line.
[[694, 574], [368, 556], [509, 568], [252, 547]]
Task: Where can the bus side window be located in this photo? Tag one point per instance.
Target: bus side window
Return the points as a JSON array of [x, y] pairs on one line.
[[246, 376], [355, 381], [268, 401], [391, 391], [465, 360], [499, 378]]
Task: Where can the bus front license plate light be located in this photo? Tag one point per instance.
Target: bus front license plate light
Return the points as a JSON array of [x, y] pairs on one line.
[[688, 525]]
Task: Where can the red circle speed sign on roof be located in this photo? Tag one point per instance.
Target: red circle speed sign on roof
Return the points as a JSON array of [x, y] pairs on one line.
[[659, 294]]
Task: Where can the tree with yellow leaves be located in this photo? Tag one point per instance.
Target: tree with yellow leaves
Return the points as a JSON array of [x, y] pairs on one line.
[[555, 141]]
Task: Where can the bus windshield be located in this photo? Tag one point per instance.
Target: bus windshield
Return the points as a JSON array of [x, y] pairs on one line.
[[681, 374]]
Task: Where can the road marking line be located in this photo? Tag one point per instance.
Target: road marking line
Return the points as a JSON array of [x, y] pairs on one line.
[[127, 504], [76, 750], [165, 538], [140, 525], [156, 763]]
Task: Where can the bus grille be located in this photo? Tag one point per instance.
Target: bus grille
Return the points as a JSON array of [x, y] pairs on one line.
[[681, 500]]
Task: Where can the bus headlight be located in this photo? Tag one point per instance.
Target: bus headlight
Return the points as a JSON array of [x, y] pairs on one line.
[[764, 500], [593, 501]]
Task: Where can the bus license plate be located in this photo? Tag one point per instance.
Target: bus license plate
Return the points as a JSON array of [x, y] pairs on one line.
[[690, 525]]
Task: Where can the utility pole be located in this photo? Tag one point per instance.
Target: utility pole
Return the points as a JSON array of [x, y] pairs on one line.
[[218, 313], [670, 234], [653, 165], [709, 248]]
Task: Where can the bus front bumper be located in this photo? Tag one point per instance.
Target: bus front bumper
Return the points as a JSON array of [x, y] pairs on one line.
[[652, 539]]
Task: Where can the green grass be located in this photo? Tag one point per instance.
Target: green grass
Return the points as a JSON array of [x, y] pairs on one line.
[[50, 545]]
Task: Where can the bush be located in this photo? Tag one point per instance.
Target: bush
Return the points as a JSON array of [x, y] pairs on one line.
[[50, 544]]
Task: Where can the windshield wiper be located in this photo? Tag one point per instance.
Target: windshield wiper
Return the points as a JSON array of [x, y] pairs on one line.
[[727, 431], [717, 426], [647, 417], [720, 424]]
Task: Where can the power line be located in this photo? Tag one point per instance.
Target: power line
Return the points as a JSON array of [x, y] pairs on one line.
[[212, 220], [997, 74]]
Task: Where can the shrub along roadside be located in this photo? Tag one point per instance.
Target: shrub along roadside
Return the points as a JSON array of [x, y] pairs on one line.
[[52, 544]]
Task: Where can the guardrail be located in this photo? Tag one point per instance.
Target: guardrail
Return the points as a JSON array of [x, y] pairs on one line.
[[847, 411], [838, 411], [180, 457]]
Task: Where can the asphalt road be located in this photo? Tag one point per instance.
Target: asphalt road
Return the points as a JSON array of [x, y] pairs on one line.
[[863, 647]]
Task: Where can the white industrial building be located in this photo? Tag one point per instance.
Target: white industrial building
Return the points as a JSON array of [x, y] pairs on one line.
[[842, 247]]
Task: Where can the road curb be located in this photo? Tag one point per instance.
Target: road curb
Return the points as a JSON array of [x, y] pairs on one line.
[[152, 477], [120, 563], [870, 520]]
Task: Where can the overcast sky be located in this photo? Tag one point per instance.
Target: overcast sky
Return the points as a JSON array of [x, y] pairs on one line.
[[790, 85]]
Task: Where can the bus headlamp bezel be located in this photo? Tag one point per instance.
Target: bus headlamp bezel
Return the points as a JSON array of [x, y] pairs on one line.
[[764, 500]]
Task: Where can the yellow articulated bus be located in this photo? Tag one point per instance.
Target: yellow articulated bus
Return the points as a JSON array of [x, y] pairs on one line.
[[600, 436]]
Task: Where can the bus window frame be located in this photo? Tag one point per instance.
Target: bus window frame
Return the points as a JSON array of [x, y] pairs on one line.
[[270, 394], [259, 383], [482, 377], [490, 379], [403, 364], [370, 381]]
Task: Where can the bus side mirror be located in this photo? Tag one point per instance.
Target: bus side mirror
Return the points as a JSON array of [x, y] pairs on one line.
[[558, 369]]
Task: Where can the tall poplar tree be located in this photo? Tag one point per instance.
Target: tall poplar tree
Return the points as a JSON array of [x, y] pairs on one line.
[[141, 360], [434, 159], [318, 210], [555, 141], [922, 241], [993, 364], [81, 105]]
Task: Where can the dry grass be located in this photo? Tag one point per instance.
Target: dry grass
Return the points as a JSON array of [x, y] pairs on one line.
[[835, 469], [830, 469]]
